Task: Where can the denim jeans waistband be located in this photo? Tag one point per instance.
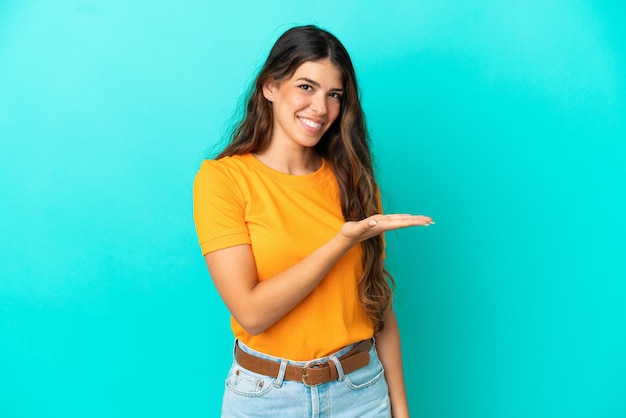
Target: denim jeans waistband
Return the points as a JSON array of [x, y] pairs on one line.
[[259, 354]]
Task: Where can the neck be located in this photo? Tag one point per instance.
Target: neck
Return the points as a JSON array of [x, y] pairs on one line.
[[296, 162]]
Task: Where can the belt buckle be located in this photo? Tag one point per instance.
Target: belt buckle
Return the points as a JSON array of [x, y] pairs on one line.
[[310, 365]]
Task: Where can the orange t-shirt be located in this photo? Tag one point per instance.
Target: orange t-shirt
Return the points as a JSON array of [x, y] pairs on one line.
[[284, 218]]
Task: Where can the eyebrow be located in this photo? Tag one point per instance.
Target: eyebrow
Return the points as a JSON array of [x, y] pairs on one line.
[[316, 84]]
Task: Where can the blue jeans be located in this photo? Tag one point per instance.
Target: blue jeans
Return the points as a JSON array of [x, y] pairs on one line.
[[360, 394]]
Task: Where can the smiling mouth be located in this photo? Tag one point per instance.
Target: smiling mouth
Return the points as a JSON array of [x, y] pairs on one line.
[[310, 123]]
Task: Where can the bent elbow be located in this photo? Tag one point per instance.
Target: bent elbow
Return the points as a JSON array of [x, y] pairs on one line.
[[254, 331], [253, 326]]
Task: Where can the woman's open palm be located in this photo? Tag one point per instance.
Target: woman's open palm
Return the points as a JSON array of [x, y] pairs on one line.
[[358, 231]]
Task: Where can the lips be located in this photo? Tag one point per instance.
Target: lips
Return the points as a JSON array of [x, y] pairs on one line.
[[310, 123]]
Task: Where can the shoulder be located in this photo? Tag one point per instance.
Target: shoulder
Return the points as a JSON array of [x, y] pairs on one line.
[[226, 169], [223, 165], [228, 178]]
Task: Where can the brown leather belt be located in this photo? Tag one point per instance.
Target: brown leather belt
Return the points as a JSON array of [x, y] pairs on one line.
[[313, 373]]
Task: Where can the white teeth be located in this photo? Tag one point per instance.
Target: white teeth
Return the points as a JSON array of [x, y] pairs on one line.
[[310, 123]]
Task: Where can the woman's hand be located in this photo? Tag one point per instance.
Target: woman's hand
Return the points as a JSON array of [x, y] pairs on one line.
[[253, 303], [356, 232]]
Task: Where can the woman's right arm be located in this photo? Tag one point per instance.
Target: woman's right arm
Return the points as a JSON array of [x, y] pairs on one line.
[[256, 305]]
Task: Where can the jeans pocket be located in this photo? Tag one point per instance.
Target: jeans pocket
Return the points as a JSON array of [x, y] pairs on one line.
[[246, 383], [366, 376]]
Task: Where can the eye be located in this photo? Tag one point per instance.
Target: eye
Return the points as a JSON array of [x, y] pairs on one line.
[[306, 87], [337, 96]]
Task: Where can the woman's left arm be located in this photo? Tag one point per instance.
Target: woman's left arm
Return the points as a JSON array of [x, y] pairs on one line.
[[390, 353]]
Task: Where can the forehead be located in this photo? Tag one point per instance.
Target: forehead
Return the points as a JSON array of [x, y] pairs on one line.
[[323, 72]]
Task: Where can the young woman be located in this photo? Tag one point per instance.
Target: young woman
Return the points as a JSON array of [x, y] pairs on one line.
[[288, 220]]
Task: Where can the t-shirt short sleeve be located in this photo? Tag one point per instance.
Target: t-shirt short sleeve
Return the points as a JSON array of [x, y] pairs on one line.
[[218, 208]]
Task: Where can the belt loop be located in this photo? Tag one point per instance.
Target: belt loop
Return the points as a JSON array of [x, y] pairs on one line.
[[281, 373], [235, 348], [340, 373]]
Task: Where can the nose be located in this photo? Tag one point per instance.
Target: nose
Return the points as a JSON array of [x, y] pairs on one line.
[[318, 104]]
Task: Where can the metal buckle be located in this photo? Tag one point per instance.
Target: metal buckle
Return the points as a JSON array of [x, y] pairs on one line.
[[310, 365]]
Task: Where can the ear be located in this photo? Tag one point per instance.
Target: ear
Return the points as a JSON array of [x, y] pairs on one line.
[[268, 90]]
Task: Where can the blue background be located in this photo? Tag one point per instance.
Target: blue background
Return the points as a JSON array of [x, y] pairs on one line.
[[505, 121]]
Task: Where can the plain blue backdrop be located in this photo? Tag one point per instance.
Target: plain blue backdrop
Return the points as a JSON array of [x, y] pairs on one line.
[[504, 121]]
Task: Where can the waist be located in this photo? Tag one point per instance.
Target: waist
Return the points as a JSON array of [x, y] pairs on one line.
[[310, 373]]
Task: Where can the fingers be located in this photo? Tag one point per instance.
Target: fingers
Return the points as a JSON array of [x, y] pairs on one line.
[[396, 221], [377, 224]]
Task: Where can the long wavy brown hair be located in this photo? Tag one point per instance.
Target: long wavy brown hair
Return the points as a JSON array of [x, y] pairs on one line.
[[345, 146]]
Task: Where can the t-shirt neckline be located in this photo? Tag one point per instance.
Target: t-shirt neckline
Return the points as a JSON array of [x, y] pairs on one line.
[[305, 180]]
